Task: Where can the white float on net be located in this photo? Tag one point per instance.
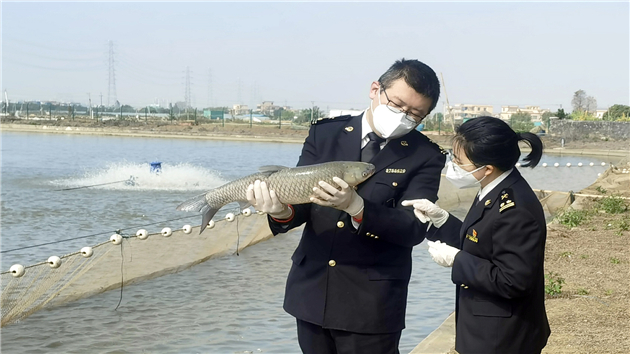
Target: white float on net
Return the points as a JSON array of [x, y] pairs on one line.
[[187, 229], [142, 234], [116, 239], [166, 232], [54, 261], [17, 270], [87, 251]]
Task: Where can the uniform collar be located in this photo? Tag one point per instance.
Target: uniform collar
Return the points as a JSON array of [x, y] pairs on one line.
[[366, 129], [485, 190]]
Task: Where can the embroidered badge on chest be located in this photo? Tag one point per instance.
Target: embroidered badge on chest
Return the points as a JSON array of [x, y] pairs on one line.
[[473, 237]]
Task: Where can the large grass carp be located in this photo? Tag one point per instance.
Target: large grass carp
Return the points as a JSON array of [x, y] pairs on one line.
[[292, 185]]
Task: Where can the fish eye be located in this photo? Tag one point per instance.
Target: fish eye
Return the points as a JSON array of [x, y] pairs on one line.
[[364, 174]]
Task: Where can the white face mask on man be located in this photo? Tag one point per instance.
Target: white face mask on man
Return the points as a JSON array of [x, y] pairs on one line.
[[460, 177], [389, 123]]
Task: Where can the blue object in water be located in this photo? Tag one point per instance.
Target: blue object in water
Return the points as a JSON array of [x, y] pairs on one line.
[[156, 167]]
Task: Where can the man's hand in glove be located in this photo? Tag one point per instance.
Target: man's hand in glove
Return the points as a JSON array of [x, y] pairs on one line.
[[345, 199], [266, 201]]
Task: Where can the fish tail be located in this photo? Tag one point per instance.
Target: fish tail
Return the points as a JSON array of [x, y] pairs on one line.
[[199, 203]]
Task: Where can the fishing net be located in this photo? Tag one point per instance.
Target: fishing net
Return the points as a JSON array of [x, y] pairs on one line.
[[112, 264]]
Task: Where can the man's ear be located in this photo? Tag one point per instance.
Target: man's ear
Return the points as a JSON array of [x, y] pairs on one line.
[[374, 88]]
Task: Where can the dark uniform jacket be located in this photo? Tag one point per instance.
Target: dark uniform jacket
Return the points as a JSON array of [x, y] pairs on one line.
[[356, 280], [499, 272]]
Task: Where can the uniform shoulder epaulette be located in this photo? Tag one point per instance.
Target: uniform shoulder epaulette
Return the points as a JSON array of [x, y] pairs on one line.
[[506, 199], [437, 145], [330, 119]]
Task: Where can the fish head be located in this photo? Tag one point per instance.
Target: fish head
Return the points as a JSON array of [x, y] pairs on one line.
[[355, 172]]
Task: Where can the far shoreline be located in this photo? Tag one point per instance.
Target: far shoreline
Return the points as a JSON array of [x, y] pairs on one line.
[[291, 137]]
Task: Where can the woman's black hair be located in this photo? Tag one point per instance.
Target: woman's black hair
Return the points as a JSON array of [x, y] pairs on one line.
[[490, 141]]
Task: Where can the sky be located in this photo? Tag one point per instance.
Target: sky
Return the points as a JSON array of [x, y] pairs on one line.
[[325, 54]]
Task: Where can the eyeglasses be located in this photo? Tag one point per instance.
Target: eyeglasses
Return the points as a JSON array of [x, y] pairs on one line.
[[413, 118], [451, 157]]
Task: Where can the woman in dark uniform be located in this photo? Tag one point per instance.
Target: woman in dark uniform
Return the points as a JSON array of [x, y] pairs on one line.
[[497, 259]]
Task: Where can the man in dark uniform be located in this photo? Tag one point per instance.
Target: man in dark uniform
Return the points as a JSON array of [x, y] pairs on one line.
[[348, 283]]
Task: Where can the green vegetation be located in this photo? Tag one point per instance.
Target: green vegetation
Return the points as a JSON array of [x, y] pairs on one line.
[[572, 218], [584, 256], [521, 122], [582, 291], [614, 260], [554, 284], [566, 254], [601, 190], [618, 112], [612, 204]]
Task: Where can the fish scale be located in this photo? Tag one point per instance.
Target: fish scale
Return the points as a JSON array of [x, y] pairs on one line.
[[292, 185]]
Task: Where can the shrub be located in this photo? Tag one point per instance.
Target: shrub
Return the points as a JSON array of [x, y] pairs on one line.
[[554, 284], [572, 217], [612, 204]]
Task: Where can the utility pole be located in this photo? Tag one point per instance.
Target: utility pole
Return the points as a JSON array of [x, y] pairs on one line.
[[90, 105], [209, 103], [312, 109], [448, 104], [111, 86]]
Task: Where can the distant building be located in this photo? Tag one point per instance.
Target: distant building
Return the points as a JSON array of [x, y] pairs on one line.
[[268, 108], [461, 112], [240, 109], [600, 113], [534, 111]]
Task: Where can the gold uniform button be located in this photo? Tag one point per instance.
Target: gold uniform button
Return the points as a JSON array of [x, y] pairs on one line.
[[395, 184], [332, 263], [376, 237], [340, 224], [368, 234]]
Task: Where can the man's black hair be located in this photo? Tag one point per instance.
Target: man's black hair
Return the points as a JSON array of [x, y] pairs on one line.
[[417, 75]]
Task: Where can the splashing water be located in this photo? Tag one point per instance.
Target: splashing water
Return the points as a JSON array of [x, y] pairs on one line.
[[136, 177]]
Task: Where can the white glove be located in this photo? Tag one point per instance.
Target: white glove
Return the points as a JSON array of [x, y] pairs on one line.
[[266, 201], [427, 211], [442, 253], [345, 199]]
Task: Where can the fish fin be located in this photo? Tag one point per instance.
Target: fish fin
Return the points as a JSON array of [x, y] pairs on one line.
[[268, 170], [200, 204], [243, 204], [193, 204], [208, 213]]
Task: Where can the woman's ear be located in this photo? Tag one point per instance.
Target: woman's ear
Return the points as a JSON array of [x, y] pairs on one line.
[[490, 170]]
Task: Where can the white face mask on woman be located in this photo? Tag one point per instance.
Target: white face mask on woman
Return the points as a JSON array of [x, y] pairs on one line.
[[460, 177], [390, 124]]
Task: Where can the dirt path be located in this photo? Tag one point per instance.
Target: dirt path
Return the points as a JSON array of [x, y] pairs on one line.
[[591, 314]]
